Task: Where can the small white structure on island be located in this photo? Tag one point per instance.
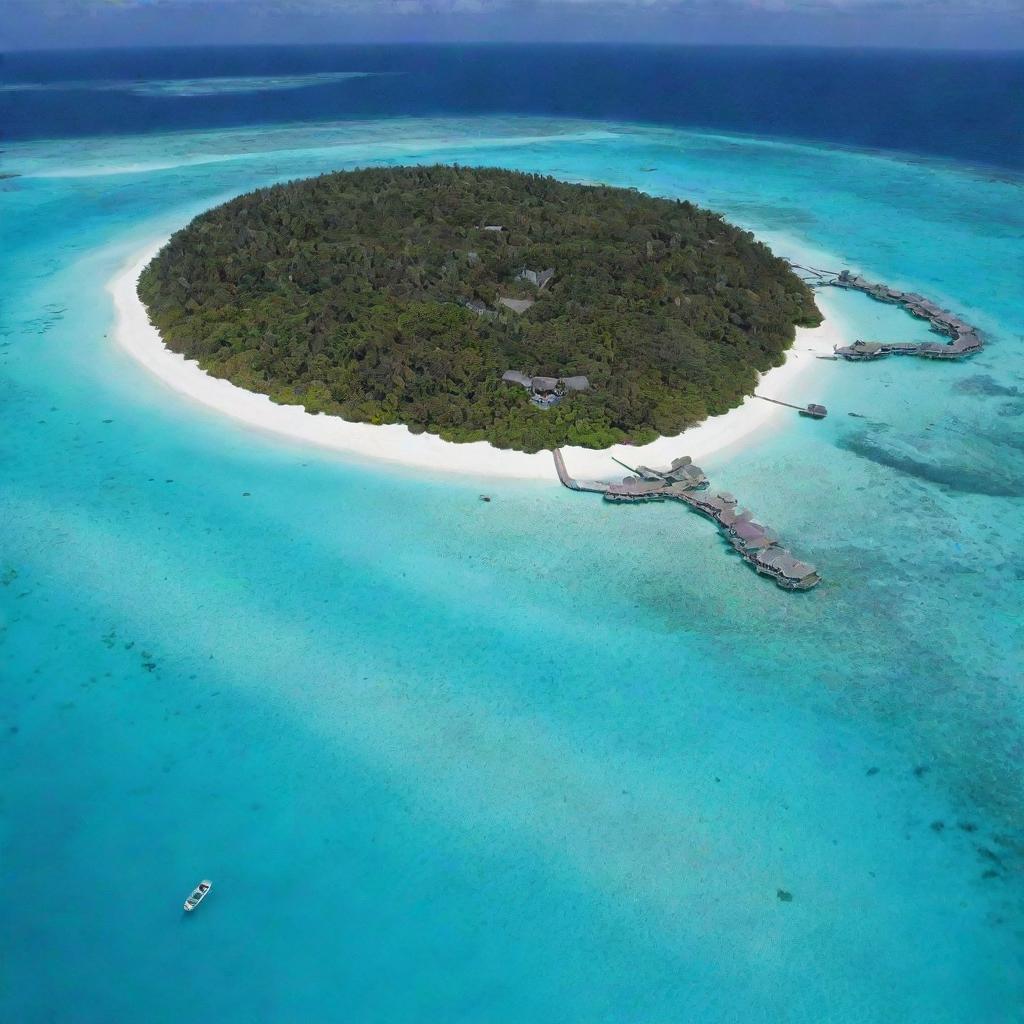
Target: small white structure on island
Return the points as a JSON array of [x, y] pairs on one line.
[[493, 227], [478, 307], [540, 278]]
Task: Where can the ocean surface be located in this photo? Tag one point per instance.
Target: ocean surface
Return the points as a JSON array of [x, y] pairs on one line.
[[540, 759]]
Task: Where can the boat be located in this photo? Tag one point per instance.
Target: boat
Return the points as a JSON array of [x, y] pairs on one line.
[[198, 894]]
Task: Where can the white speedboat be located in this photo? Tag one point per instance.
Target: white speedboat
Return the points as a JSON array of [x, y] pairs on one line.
[[198, 894]]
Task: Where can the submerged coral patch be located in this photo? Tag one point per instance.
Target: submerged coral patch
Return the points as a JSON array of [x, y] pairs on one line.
[[985, 465]]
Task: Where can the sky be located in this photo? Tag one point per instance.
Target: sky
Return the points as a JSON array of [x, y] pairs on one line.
[[948, 24]]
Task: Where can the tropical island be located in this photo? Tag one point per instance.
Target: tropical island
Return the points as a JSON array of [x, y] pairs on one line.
[[479, 305]]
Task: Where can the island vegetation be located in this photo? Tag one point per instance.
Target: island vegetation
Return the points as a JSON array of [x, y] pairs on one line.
[[375, 295]]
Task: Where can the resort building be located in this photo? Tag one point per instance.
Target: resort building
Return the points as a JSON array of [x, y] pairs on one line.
[[478, 307], [546, 391], [539, 278]]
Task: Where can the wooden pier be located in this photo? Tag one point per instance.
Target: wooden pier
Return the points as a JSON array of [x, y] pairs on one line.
[[964, 341], [813, 410], [684, 482], [575, 485]]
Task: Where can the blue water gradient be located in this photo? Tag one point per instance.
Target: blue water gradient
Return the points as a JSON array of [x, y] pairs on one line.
[[535, 760], [963, 105]]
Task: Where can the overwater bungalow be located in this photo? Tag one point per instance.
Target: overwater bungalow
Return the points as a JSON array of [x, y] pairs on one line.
[[681, 471], [635, 489], [860, 350], [786, 570], [965, 339], [730, 516], [753, 535], [682, 482]]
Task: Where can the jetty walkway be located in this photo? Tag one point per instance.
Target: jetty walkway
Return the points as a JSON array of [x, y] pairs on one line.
[[965, 340], [686, 483]]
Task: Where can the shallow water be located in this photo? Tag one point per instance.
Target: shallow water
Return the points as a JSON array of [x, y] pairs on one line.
[[539, 759]]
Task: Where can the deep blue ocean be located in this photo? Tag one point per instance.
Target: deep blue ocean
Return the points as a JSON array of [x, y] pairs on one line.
[[541, 759], [962, 105]]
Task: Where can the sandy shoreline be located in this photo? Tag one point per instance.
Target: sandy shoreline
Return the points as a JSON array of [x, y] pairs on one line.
[[791, 382]]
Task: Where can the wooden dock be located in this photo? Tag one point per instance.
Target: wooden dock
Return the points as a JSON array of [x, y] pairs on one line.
[[575, 485], [813, 410], [964, 341], [686, 483]]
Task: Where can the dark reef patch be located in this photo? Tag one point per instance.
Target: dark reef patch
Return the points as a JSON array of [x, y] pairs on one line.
[[985, 384], [960, 461]]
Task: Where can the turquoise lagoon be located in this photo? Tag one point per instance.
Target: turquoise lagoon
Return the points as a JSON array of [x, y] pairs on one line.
[[534, 760]]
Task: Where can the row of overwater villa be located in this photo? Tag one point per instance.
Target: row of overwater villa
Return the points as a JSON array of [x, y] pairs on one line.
[[965, 339], [683, 481]]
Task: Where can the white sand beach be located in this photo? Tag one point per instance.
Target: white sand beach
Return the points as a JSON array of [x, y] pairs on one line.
[[792, 382]]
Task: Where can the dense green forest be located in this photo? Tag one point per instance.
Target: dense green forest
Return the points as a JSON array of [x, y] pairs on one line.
[[347, 294]]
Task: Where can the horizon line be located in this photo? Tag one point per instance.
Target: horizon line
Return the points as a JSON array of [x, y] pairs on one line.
[[582, 43]]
